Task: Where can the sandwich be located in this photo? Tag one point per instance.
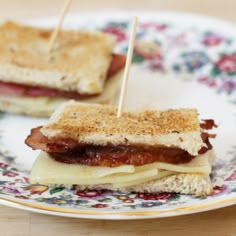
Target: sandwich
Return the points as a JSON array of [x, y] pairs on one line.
[[81, 66], [87, 146]]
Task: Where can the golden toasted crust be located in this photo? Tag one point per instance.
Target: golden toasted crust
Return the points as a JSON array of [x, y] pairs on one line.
[[97, 124], [79, 61]]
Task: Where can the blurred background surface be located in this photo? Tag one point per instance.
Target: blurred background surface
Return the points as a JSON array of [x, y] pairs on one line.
[[26, 9]]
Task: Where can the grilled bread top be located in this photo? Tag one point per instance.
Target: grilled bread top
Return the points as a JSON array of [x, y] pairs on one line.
[[98, 125], [79, 61]]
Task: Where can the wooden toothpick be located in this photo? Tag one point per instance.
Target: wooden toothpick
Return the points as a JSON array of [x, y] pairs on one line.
[[57, 29], [127, 67]]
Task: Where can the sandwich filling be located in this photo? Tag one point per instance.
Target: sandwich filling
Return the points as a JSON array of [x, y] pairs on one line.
[[14, 89], [48, 171], [72, 152]]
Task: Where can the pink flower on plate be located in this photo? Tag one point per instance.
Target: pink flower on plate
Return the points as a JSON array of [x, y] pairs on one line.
[[10, 174], [157, 26], [208, 81], [217, 190], [99, 205], [160, 27], [212, 39], [120, 35], [154, 196], [91, 194], [10, 190], [231, 177], [177, 40], [156, 65], [3, 165], [227, 63]]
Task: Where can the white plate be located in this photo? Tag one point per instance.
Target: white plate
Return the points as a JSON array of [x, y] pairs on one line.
[[191, 64]]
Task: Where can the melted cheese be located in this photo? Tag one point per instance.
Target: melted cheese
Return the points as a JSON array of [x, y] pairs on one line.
[[47, 171]]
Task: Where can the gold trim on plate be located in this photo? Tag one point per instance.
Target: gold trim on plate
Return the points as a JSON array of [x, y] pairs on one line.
[[133, 213]]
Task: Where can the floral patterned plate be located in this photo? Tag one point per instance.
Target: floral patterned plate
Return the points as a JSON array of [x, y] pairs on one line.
[[180, 60]]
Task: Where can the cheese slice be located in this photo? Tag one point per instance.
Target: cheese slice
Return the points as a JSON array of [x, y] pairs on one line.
[[159, 175], [48, 171], [48, 168]]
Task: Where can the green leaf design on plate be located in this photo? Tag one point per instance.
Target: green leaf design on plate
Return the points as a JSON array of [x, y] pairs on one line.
[[106, 200], [200, 197], [232, 73], [234, 190], [229, 41], [123, 25], [81, 202], [214, 72], [137, 59], [1, 114], [56, 190], [176, 68], [174, 197]]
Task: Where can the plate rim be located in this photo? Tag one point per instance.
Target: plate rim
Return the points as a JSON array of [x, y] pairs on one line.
[[119, 215]]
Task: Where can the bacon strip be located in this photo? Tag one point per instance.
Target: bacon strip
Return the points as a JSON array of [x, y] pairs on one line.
[[72, 152], [117, 63], [37, 141], [208, 124], [13, 89]]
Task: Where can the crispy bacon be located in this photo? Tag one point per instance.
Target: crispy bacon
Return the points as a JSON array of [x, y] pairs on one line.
[[13, 89], [37, 141], [208, 124], [205, 138]]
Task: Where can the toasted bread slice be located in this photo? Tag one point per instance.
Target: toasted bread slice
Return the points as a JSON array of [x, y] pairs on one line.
[[98, 125], [24, 58], [45, 106]]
